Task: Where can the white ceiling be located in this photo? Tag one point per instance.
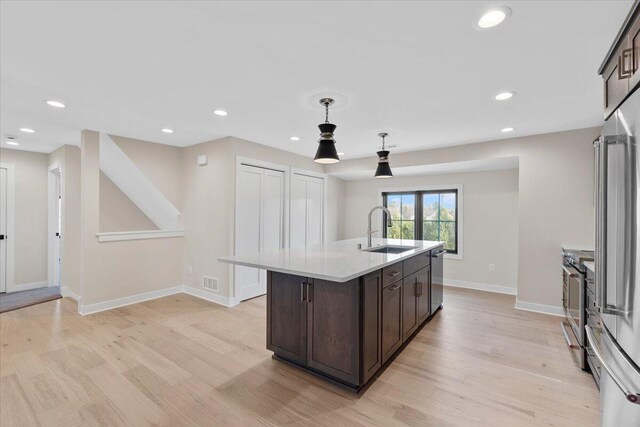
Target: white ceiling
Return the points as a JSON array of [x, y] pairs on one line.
[[419, 70], [492, 164]]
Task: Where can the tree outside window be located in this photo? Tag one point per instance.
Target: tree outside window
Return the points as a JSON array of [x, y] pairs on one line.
[[434, 217]]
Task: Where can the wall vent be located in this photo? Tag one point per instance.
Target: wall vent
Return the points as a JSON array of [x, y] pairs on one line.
[[210, 283]]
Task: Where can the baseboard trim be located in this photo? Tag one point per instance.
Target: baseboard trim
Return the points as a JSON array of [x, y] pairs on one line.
[[67, 293], [539, 308], [121, 302], [481, 287], [209, 296], [28, 286], [147, 296]]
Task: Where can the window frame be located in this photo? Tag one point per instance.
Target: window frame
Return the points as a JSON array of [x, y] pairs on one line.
[[418, 230]]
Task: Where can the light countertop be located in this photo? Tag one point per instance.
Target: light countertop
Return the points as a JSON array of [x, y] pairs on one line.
[[338, 261], [590, 265]]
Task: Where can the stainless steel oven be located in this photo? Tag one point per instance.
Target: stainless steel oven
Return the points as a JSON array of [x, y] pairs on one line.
[[574, 301]]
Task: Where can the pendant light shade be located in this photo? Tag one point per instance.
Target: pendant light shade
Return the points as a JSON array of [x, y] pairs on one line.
[[383, 170], [326, 153]]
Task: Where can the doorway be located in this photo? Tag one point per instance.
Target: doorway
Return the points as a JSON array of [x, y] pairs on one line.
[[260, 222], [54, 226]]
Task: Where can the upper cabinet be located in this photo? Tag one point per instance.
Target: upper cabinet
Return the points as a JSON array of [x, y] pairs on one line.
[[621, 69]]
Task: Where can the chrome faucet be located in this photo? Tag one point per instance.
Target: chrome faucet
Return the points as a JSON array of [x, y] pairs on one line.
[[369, 230]]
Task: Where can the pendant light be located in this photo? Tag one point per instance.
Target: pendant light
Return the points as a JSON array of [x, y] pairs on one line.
[[327, 152], [383, 170]]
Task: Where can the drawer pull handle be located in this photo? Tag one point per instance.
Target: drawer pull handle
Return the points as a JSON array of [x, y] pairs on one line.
[[394, 273], [394, 288], [623, 72]]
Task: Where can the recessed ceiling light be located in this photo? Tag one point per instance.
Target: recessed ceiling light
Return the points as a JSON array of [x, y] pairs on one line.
[[507, 129], [504, 95], [27, 130], [56, 104], [340, 154], [494, 17], [294, 138], [12, 143], [220, 113], [166, 130]]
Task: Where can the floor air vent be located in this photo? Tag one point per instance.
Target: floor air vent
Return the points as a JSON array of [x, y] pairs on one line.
[[210, 283]]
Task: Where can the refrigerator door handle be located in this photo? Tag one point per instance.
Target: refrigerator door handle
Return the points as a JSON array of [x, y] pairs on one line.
[[631, 396], [602, 155]]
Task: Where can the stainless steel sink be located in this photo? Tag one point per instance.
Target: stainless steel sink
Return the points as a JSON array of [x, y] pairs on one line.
[[390, 249]]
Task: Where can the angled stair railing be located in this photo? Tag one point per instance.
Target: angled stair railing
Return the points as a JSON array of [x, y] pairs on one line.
[[136, 186]]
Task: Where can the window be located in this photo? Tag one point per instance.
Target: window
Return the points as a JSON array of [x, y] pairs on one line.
[[424, 215]]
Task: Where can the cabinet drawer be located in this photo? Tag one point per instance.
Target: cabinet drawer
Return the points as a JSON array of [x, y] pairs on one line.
[[417, 262], [392, 274]]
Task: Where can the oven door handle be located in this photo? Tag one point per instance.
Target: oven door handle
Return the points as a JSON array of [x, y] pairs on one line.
[[571, 272], [563, 326]]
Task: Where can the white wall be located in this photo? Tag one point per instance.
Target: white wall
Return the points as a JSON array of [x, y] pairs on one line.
[[30, 237], [209, 205], [121, 269], [489, 221], [555, 204]]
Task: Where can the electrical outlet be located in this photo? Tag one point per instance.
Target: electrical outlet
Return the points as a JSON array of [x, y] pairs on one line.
[[492, 267]]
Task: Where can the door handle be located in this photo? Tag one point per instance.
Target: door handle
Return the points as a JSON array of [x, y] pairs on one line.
[[1, 236], [603, 144], [631, 396], [309, 292]]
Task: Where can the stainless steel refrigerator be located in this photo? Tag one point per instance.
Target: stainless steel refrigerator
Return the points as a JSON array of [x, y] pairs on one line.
[[617, 343]]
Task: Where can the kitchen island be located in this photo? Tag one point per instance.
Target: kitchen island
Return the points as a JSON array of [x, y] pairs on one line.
[[342, 313]]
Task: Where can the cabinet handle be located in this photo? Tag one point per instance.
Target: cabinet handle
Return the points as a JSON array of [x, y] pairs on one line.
[[623, 72], [394, 273], [309, 292], [394, 288], [302, 291], [418, 289]]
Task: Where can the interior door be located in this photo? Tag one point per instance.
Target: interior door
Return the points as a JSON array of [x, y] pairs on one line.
[[307, 210], [259, 223], [3, 230]]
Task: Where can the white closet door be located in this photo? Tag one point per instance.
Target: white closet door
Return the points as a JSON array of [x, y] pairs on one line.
[[259, 223], [298, 216], [3, 230], [307, 211], [315, 210]]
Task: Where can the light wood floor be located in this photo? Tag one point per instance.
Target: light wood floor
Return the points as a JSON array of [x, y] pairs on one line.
[[182, 361]]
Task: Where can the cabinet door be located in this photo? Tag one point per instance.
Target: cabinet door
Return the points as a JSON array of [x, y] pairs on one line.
[[424, 294], [371, 324], [409, 305], [616, 87], [287, 316], [333, 332], [391, 320], [634, 41]]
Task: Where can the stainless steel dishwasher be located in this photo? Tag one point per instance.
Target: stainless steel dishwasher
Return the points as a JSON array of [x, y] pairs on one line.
[[437, 277]]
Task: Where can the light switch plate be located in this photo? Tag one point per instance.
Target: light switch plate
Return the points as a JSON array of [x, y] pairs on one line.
[[202, 160]]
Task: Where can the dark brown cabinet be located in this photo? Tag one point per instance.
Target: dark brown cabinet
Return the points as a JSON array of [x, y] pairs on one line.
[[424, 297], [371, 324], [621, 69], [333, 328], [634, 45], [287, 316], [345, 332], [391, 320], [409, 305]]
